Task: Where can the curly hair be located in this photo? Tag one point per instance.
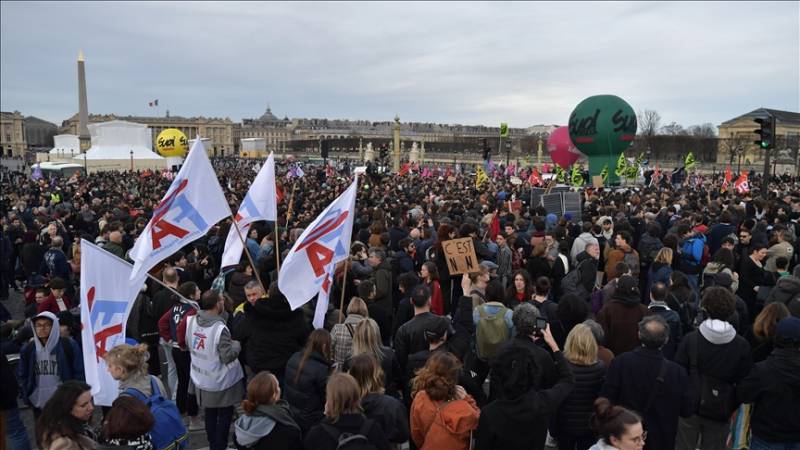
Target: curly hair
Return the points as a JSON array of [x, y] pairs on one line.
[[131, 358], [438, 378]]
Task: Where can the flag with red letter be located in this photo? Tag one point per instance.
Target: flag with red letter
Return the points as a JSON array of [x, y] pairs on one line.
[[260, 203], [107, 296], [404, 170], [535, 178], [728, 177], [321, 245], [742, 185], [193, 204]]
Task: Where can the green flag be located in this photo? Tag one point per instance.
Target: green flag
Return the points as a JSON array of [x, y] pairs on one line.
[[561, 176], [577, 176], [689, 162], [622, 165], [503, 130], [632, 171], [604, 174]]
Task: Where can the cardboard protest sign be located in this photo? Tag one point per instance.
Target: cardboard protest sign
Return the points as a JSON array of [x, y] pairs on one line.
[[460, 256]]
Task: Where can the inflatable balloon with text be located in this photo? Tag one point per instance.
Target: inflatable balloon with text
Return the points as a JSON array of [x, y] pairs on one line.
[[172, 143], [602, 127]]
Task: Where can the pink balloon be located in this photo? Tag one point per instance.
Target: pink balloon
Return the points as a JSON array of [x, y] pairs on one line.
[[562, 151]]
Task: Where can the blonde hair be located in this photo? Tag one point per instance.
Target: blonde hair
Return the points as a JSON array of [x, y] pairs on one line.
[[342, 396], [131, 358], [664, 256], [357, 306], [367, 339], [581, 347]]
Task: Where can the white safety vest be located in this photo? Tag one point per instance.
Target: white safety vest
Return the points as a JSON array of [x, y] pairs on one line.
[[207, 370]]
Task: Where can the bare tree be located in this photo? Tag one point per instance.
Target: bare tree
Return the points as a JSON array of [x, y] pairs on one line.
[[649, 121], [736, 146], [705, 130], [673, 129]]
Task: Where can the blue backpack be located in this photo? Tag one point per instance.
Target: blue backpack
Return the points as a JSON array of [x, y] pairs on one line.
[[168, 432]]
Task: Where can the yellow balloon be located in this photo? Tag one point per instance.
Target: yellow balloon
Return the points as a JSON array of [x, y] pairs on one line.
[[172, 142]]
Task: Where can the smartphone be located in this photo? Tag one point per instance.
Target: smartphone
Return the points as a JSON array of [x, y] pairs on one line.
[[541, 324]]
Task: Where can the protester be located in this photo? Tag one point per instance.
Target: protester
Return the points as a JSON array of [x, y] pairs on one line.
[[126, 425], [342, 333], [619, 428], [383, 409], [64, 421], [267, 422], [344, 418], [366, 341], [620, 316], [443, 415], [306, 375]]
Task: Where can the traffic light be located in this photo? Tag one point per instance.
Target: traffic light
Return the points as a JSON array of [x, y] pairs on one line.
[[766, 134]]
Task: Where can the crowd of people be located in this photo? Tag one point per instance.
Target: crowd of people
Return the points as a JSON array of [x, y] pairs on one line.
[[662, 318]]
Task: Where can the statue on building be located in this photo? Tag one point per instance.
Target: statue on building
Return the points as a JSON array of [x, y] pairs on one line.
[[369, 153], [413, 155]]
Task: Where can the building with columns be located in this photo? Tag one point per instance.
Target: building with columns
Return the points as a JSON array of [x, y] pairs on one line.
[[275, 132], [737, 138], [218, 130], [13, 140]]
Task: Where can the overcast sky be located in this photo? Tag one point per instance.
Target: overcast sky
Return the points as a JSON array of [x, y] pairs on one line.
[[469, 63]]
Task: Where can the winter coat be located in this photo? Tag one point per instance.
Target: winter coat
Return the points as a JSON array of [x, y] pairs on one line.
[[319, 437], [268, 427], [547, 374], [675, 329], [443, 425], [270, 333], [382, 277], [721, 354], [629, 382], [410, 337], [236, 287], [392, 374], [306, 393], [773, 387], [620, 320], [389, 413], [578, 407], [648, 248], [502, 419], [717, 233], [342, 338], [658, 272], [579, 246], [787, 291], [617, 255]]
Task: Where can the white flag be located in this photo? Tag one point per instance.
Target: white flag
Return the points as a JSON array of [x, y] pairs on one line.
[[260, 203], [323, 298], [192, 205], [107, 296], [323, 243]]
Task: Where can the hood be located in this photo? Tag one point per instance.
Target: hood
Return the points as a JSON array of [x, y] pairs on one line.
[[250, 429], [717, 331], [204, 319], [588, 238], [55, 333], [786, 363]]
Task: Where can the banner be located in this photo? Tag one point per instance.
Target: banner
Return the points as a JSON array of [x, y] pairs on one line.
[[503, 130], [260, 203], [192, 205], [689, 161], [321, 245], [107, 295], [480, 176]]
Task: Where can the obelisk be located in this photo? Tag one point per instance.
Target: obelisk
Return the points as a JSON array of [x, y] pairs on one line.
[[83, 108]]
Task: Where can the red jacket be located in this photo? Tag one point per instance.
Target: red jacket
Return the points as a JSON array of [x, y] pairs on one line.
[[437, 303], [50, 304]]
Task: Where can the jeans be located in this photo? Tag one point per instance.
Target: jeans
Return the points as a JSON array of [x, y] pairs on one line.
[[187, 404], [15, 430], [218, 422], [172, 372], [757, 443]]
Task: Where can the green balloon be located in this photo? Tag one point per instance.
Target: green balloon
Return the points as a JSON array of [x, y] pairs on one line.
[[602, 127]]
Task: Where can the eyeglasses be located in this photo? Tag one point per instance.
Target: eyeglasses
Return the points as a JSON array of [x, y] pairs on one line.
[[638, 440], [43, 326]]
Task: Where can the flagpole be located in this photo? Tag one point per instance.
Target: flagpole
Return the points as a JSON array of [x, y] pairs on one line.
[[344, 275], [249, 256], [277, 236]]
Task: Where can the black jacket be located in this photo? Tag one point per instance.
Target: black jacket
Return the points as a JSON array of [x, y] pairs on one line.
[[8, 381], [521, 423], [410, 337], [727, 362], [270, 333], [390, 414], [629, 382], [578, 407], [284, 435], [392, 374], [773, 386], [318, 438], [306, 393]]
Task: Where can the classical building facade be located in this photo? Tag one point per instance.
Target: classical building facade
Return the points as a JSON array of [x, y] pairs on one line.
[[737, 136], [40, 134], [275, 132], [218, 130], [13, 141]]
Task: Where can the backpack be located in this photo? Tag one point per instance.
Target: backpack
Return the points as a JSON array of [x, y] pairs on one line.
[[491, 331], [168, 432], [717, 397], [350, 441], [572, 283]]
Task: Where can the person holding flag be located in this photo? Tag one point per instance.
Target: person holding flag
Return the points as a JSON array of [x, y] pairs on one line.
[[307, 269], [193, 203], [260, 203], [727, 180], [535, 179]]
